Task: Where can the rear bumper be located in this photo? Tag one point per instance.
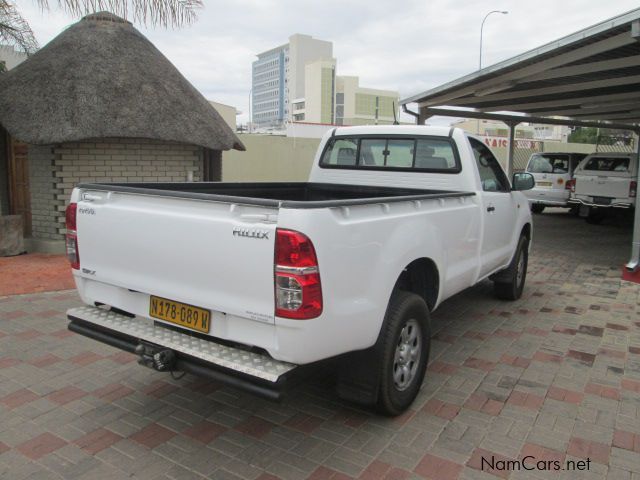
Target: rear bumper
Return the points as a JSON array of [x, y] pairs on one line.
[[250, 371], [547, 196], [548, 202], [579, 201]]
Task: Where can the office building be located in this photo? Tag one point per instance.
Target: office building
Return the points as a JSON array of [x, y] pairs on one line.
[[279, 75], [297, 82]]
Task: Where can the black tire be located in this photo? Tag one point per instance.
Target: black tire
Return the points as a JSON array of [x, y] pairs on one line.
[[595, 217], [510, 283], [537, 208], [405, 310]]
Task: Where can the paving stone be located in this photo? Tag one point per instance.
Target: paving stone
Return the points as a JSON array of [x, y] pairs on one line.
[[558, 370]]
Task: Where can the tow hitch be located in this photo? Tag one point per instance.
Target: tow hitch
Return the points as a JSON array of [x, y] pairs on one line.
[[153, 356]]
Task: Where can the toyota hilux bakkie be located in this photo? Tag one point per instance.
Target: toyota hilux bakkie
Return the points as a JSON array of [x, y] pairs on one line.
[[252, 283]]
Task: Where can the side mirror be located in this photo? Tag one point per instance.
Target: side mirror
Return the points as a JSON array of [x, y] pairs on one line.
[[523, 181]]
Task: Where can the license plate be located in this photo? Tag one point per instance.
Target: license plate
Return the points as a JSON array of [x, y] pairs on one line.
[[544, 184], [602, 200], [181, 314]]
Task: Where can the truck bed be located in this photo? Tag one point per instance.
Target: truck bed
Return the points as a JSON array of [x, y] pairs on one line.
[[281, 194]]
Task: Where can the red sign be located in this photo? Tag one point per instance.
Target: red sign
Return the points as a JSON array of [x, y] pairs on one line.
[[503, 142]]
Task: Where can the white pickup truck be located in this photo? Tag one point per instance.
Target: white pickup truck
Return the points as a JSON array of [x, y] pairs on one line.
[[253, 283], [604, 182]]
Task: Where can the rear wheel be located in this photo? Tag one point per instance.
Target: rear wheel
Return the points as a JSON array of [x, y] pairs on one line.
[[510, 283], [403, 352], [595, 217], [537, 208]]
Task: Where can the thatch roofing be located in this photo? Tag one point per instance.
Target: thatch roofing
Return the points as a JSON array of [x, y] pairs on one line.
[[101, 78]]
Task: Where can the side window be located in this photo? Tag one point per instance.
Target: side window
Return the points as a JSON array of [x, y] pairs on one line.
[[341, 152], [491, 174]]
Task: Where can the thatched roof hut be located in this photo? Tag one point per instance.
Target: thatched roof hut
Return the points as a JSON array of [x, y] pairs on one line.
[[101, 78]]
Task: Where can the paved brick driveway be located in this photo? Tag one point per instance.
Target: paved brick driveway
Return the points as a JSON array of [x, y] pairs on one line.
[[554, 376]]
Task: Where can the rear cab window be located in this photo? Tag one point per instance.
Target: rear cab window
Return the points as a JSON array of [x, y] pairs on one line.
[[541, 163], [607, 164], [425, 154]]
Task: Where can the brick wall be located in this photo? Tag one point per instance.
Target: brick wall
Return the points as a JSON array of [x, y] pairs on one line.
[[42, 186], [4, 174], [104, 160]]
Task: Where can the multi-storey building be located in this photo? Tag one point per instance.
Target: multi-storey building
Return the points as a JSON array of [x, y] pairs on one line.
[[356, 105], [279, 76], [297, 82], [268, 87]]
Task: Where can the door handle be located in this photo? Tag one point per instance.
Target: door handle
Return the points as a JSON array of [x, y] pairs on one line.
[[491, 208]]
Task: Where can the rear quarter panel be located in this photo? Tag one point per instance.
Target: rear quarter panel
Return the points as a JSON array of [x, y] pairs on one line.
[[361, 253]]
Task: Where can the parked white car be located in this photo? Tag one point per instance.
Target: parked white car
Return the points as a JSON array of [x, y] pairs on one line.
[[553, 173], [250, 283], [604, 182]]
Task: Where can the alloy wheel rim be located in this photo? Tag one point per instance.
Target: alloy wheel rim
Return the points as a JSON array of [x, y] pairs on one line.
[[407, 355]]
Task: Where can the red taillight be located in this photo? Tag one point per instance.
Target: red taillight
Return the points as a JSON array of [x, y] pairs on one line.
[[298, 291], [72, 236], [633, 188], [570, 185]]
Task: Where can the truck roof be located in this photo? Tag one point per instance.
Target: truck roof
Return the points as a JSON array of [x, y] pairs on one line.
[[436, 131]]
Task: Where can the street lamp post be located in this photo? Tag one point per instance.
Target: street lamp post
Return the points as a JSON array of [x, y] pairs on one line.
[[503, 12]]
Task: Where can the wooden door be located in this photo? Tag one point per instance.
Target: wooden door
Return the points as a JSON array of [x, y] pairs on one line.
[[212, 165], [19, 194]]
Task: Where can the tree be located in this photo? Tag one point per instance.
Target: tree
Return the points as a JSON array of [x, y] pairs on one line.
[[15, 30]]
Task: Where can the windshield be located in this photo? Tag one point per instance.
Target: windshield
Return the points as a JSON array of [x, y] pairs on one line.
[[541, 163], [607, 164]]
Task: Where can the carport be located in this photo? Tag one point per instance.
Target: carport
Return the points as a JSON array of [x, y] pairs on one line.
[[590, 78]]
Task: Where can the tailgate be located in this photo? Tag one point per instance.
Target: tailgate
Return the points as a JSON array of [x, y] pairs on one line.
[[213, 255], [555, 181], [610, 186]]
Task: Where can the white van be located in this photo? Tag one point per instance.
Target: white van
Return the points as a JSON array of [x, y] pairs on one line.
[[552, 173], [604, 182]]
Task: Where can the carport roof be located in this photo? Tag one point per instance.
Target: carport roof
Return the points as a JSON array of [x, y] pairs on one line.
[[591, 75]]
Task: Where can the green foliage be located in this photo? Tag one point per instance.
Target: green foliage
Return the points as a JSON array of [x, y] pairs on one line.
[[583, 135], [591, 135]]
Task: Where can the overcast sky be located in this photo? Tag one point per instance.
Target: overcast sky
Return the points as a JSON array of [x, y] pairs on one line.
[[403, 45]]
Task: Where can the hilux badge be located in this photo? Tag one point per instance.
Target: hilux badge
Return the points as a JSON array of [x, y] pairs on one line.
[[251, 233]]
